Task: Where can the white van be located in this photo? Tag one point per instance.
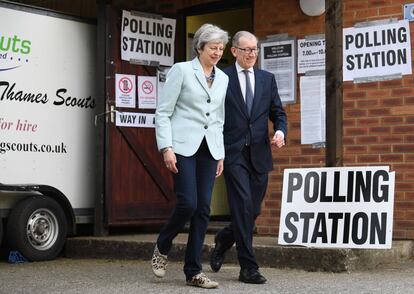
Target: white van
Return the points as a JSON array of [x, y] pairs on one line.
[[47, 131]]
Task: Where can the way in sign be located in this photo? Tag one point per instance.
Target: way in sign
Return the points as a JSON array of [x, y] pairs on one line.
[[136, 119]]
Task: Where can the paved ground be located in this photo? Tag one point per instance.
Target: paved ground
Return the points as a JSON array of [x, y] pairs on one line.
[[125, 276]]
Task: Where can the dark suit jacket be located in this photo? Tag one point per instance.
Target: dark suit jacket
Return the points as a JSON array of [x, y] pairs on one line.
[[239, 128]]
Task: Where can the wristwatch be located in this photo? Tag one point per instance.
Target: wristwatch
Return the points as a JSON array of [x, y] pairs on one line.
[[165, 149]]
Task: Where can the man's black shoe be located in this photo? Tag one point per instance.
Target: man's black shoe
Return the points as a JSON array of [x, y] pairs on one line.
[[251, 276], [217, 256]]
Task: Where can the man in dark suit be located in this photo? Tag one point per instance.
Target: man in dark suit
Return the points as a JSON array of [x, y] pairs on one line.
[[252, 100]]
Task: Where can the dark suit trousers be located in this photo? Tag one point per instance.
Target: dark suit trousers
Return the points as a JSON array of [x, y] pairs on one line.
[[245, 192], [193, 187]]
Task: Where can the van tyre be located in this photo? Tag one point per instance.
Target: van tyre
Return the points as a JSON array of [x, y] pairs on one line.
[[37, 228]]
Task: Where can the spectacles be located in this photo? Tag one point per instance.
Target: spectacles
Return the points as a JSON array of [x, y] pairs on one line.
[[249, 50]]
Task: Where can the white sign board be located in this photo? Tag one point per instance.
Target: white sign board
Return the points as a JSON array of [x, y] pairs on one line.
[[379, 50], [345, 207], [135, 120], [279, 58], [47, 103], [125, 90], [312, 109], [147, 92], [311, 55], [147, 39]]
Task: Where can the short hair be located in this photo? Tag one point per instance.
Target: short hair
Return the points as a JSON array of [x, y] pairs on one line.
[[209, 33], [239, 34]]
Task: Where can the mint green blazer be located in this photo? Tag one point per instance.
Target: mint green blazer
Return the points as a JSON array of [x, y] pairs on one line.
[[188, 110]]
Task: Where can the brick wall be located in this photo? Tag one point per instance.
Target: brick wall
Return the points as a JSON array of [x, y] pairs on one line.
[[378, 123], [379, 119], [286, 17]]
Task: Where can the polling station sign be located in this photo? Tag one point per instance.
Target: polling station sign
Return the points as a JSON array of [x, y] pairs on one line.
[[375, 51], [345, 207], [146, 39]]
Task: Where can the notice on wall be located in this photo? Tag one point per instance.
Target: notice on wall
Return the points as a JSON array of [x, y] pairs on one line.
[[312, 109], [341, 207], [379, 50], [311, 55], [279, 58], [147, 92], [147, 40], [125, 91], [135, 120]]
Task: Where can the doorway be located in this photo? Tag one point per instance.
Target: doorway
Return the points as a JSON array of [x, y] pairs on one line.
[[232, 21]]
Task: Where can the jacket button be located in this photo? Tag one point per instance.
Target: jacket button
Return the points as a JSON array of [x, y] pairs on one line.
[[206, 127], [208, 113], [208, 100]]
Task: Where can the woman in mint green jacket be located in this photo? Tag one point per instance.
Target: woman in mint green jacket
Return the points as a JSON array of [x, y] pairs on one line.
[[189, 130]]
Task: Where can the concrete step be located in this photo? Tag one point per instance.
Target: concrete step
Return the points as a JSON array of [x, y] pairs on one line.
[[268, 253]]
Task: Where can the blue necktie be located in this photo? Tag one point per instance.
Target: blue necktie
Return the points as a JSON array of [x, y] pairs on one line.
[[249, 92]]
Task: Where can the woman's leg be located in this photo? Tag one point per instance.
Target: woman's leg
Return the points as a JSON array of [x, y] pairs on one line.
[[185, 187], [206, 167]]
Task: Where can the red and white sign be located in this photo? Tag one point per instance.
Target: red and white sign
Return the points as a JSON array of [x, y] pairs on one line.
[[147, 92], [125, 90]]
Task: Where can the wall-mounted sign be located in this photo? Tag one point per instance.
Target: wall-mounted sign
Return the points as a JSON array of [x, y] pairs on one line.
[[135, 120], [279, 58], [125, 90], [312, 109], [147, 40], [379, 50], [147, 92], [409, 11], [311, 55], [341, 207]]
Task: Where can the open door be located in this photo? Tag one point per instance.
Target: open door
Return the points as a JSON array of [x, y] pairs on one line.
[[138, 188]]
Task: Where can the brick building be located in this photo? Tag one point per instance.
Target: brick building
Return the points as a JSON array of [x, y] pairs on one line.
[[378, 117]]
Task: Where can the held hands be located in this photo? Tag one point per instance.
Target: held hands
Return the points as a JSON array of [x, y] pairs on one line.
[[278, 140], [170, 160], [220, 168]]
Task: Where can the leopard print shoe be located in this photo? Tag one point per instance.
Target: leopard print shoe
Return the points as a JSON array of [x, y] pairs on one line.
[[202, 281], [159, 263]]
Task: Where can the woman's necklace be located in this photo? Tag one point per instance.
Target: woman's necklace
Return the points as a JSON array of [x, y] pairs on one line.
[[210, 78]]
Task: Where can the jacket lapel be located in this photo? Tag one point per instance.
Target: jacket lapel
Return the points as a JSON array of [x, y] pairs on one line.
[[234, 85], [198, 71]]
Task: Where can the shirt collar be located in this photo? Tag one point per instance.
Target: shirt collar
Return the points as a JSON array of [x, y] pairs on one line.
[[240, 69]]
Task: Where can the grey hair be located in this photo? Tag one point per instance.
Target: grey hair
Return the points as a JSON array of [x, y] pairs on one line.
[[239, 34], [209, 33]]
